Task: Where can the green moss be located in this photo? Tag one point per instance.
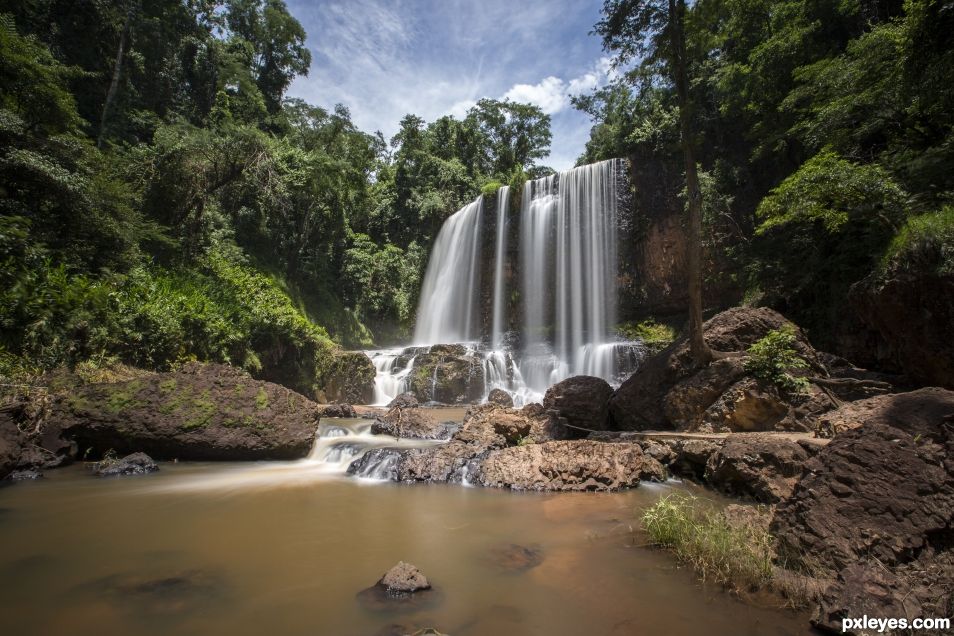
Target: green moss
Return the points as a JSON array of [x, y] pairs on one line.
[[655, 335], [168, 385], [123, 397], [239, 390], [201, 411], [261, 399], [490, 188], [175, 402]]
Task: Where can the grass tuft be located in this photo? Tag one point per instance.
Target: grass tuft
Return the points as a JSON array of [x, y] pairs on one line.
[[719, 549]]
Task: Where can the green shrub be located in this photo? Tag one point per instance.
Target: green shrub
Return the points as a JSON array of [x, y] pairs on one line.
[[730, 553], [771, 358]]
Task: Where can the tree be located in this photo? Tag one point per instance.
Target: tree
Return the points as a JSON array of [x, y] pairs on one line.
[[653, 32], [515, 135]]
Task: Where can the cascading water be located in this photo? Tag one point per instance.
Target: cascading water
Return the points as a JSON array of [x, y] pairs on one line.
[[500, 257], [567, 284], [446, 311]]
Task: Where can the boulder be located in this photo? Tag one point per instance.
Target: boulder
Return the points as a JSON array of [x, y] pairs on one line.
[[404, 578], [583, 401], [24, 475], [402, 588], [922, 407], [350, 379], [865, 590], [570, 465], [404, 401], [412, 423], [338, 410], [762, 467], [134, 464], [883, 490], [668, 391], [500, 398], [447, 374], [200, 412]]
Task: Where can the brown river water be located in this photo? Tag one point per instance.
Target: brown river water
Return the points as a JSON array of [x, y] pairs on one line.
[[284, 547]]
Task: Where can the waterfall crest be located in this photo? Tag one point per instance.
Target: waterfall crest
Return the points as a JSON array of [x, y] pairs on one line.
[[446, 310]]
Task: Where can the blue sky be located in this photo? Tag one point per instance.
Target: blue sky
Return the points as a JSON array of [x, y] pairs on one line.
[[386, 58]]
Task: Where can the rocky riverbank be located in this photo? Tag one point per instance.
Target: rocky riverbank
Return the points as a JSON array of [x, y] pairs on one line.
[[854, 468]]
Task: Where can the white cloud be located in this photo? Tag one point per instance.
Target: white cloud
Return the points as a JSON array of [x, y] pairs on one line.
[[549, 94]]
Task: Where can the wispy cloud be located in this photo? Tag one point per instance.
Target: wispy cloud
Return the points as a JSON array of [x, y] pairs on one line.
[[383, 59]]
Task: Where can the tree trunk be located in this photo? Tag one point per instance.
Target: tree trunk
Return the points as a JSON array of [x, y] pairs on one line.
[[114, 83], [701, 353]]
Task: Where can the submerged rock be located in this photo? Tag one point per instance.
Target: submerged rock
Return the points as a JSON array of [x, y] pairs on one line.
[[583, 401], [170, 594], [514, 558], [134, 464], [200, 412], [402, 588], [572, 465]]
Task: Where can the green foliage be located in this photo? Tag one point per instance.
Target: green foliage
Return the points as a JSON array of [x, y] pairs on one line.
[[720, 550], [771, 359], [830, 191], [924, 243]]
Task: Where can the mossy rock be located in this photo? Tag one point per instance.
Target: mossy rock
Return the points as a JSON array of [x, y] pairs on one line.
[[198, 412], [446, 378], [351, 378]]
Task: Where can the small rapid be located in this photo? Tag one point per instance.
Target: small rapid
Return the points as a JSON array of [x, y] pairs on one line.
[[339, 444]]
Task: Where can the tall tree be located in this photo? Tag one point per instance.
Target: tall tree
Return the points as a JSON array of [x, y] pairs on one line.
[[652, 32]]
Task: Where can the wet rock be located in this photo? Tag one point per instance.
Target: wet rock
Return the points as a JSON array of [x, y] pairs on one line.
[[576, 465], [447, 374], [200, 412], [351, 378], [24, 475], [882, 490], [404, 578], [583, 401], [404, 401], [134, 464], [500, 398], [923, 407], [378, 463], [412, 423], [513, 558], [402, 588], [668, 391], [761, 467], [530, 423], [338, 410]]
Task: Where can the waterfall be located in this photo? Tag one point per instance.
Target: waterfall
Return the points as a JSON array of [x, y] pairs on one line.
[[500, 257], [567, 268], [446, 311]]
